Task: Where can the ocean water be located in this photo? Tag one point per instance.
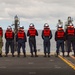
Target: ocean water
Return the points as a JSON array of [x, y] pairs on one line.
[[39, 42]]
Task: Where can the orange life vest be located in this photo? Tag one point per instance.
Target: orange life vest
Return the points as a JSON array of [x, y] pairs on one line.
[[70, 31], [47, 32], [32, 32], [9, 34], [60, 34], [21, 34], [1, 32]]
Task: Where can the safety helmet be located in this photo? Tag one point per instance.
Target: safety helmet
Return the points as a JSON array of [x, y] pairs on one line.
[[9, 28], [59, 26], [21, 27], [31, 25], [71, 24], [46, 25]]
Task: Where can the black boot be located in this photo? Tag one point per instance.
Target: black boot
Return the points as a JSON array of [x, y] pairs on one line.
[[18, 55], [32, 54], [0, 55], [68, 54], [57, 54], [63, 54], [13, 55], [48, 54], [45, 55], [24, 54], [36, 54]]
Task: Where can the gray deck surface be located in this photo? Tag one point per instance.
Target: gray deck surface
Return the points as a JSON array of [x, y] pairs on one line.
[[34, 66]]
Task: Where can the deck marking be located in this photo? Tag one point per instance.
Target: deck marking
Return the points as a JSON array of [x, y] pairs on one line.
[[31, 63], [2, 67], [72, 57], [68, 62], [32, 73]]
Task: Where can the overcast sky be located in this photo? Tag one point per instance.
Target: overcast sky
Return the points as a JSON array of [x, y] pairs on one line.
[[36, 11]]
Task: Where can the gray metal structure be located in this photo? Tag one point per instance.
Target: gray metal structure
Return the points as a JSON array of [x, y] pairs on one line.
[[16, 25], [59, 23]]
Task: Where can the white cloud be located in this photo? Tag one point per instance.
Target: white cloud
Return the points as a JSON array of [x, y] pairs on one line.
[[37, 10]]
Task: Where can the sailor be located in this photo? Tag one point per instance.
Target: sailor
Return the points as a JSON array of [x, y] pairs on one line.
[[9, 36], [46, 36], [21, 39], [32, 33], [60, 38], [67, 23], [70, 35]]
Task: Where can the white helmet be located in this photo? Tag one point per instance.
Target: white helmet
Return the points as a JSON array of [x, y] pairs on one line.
[[9, 27], [46, 25], [70, 24], [59, 26], [31, 25], [21, 27]]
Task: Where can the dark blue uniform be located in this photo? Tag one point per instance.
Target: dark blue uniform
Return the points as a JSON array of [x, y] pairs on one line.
[[60, 38], [9, 36], [70, 35], [21, 39], [46, 37], [32, 32]]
